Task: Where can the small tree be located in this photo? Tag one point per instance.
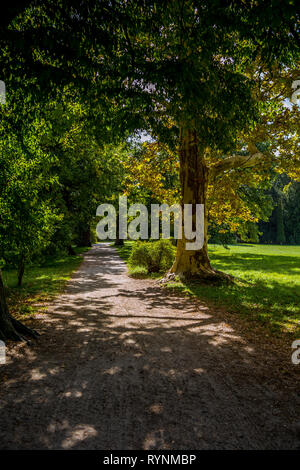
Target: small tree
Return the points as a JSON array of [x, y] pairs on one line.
[[280, 233]]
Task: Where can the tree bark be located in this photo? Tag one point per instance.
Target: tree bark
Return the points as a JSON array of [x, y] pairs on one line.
[[236, 162], [10, 328], [85, 237], [71, 251], [194, 182], [118, 240], [21, 269]]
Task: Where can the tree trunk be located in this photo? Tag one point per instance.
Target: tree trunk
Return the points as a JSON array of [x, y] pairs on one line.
[[85, 237], [118, 240], [194, 182], [10, 328], [21, 269], [71, 251]]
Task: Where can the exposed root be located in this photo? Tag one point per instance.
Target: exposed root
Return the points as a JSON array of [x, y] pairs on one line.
[[23, 329], [10, 328], [167, 278], [14, 330], [210, 276]]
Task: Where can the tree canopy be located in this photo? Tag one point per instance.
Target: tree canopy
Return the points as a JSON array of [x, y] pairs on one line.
[[210, 81]]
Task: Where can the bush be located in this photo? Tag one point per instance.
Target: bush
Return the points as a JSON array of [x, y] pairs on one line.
[[154, 256]]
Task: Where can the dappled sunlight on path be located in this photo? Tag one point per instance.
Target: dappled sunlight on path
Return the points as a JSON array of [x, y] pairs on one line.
[[122, 364]]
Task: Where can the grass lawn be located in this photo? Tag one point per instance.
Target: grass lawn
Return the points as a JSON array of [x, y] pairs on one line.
[[40, 283], [267, 288]]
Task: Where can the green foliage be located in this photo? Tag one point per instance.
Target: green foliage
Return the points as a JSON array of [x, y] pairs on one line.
[[162, 65], [251, 234], [283, 225], [292, 213], [221, 238], [155, 256], [27, 213], [53, 175]]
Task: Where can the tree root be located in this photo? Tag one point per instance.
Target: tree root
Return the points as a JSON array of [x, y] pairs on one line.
[[21, 328], [211, 276], [168, 278], [10, 328], [14, 330]]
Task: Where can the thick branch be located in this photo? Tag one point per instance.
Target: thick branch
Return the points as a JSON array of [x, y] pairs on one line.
[[237, 161]]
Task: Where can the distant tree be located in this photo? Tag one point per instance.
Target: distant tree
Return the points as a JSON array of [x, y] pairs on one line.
[[292, 213], [280, 234]]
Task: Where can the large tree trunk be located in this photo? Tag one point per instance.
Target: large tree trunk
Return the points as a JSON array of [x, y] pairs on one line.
[[194, 182], [10, 328]]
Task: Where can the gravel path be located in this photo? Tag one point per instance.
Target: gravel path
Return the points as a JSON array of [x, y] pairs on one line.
[[123, 364]]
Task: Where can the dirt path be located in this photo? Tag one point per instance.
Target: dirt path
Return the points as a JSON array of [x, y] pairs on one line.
[[122, 364]]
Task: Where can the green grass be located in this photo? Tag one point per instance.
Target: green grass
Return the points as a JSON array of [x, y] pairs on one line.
[[40, 283], [267, 288], [125, 250]]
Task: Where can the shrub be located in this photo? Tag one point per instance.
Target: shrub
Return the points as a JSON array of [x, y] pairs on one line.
[[154, 256]]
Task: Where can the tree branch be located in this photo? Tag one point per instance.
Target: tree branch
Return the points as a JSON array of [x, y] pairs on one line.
[[237, 161]]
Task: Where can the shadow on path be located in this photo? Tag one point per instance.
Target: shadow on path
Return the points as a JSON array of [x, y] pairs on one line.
[[122, 364]]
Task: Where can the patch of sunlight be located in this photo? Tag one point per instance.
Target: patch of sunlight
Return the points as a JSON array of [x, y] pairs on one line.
[[80, 433], [36, 374], [199, 370], [112, 370], [156, 408]]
